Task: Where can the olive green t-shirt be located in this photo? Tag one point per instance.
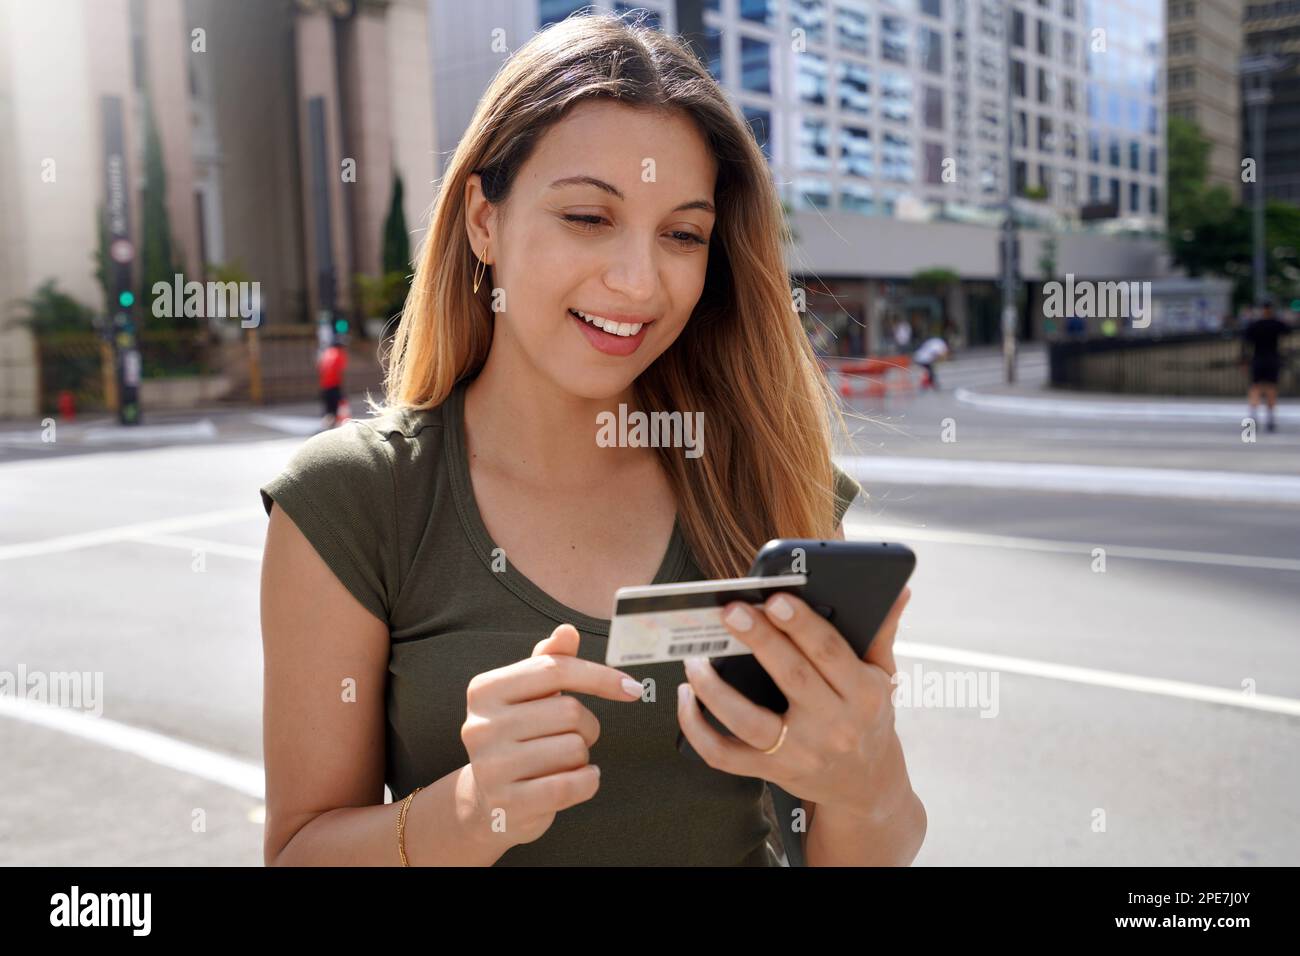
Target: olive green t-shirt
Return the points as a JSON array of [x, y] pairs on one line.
[[388, 504]]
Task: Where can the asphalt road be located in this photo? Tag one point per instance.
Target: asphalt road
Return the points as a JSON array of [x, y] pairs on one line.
[[1147, 713]]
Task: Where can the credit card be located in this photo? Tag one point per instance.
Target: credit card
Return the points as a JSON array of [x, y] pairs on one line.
[[670, 622]]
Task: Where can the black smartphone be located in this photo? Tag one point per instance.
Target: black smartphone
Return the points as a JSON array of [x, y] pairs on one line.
[[852, 584]]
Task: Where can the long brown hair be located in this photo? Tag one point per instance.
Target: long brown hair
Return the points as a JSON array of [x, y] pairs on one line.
[[743, 358]]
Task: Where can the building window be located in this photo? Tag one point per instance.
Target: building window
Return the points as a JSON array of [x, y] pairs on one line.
[[1152, 157], [1094, 188], [856, 197], [896, 157], [854, 85], [760, 124], [814, 145], [1114, 152], [933, 164], [651, 15], [933, 108], [814, 193], [896, 96], [755, 65], [852, 30], [855, 152], [812, 78], [553, 11], [930, 49], [933, 8], [1044, 38], [809, 16], [1134, 199], [758, 11], [1094, 146], [1046, 137], [1017, 29], [1153, 200], [893, 39], [713, 51], [1134, 155], [1046, 86]]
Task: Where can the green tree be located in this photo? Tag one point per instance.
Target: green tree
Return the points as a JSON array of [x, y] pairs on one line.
[[396, 255], [397, 244], [158, 259], [103, 262], [1200, 215], [48, 311]]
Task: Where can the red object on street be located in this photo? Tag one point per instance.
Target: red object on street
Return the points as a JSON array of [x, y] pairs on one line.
[[331, 365], [67, 406], [874, 377]]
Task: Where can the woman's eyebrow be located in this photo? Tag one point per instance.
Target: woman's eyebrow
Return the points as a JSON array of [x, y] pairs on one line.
[[703, 204]]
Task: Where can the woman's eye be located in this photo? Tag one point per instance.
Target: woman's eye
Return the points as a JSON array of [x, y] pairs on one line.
[[586, 222], [689, 238]]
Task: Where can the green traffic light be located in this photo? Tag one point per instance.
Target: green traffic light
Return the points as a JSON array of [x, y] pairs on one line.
[[126, 299], [341, 326]]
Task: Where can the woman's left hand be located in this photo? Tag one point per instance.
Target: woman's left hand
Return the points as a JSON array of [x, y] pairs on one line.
[[840, 748]]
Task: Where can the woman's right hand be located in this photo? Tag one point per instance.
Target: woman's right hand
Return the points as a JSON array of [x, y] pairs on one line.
[[529, 743]]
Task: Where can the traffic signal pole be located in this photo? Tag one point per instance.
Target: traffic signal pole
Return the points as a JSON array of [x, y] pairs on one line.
[[121, 251]]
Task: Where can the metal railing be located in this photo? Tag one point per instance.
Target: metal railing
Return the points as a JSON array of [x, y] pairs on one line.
[[1190, 364]]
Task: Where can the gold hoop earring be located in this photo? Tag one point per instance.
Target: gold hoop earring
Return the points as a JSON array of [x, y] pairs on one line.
[[480, 269]]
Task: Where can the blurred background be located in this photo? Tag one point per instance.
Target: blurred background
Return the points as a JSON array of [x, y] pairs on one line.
[[1026, 239]]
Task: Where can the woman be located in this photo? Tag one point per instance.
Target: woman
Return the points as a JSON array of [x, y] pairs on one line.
[[436, 577]]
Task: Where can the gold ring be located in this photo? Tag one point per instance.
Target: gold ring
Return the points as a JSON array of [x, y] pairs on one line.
[[779, 741]]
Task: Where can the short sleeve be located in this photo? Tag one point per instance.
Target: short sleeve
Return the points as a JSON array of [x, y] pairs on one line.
[[338, 488], [846, 490]]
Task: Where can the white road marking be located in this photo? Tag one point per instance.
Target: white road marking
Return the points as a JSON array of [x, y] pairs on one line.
[[1098, 678], [144, 529], [289, 424], [103, 434], [1175, 410], [865, 530], [1081, 479], [239, 775], [225, 548]]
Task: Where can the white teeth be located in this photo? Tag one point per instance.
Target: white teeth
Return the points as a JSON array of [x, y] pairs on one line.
[[623, 329]]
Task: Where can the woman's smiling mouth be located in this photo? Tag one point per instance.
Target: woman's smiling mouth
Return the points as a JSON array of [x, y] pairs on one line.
[[609, 336]]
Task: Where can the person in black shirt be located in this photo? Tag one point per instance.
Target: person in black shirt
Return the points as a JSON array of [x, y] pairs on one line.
[[1263, 336]]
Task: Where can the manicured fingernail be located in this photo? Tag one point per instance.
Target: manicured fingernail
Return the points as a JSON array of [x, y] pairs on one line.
[[781, 607], [694, 665], [633, 687], [683, 693], [739, 618]]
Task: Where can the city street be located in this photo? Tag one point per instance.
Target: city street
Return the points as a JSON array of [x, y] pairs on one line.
[[1120, 577]]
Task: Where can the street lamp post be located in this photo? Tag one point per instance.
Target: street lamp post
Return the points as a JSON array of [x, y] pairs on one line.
[[1255, 74], [1008, 236]]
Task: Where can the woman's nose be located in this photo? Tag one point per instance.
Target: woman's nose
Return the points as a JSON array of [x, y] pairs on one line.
[[633, 273]]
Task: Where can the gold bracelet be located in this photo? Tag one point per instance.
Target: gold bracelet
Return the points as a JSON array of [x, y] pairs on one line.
[[401, 824]]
